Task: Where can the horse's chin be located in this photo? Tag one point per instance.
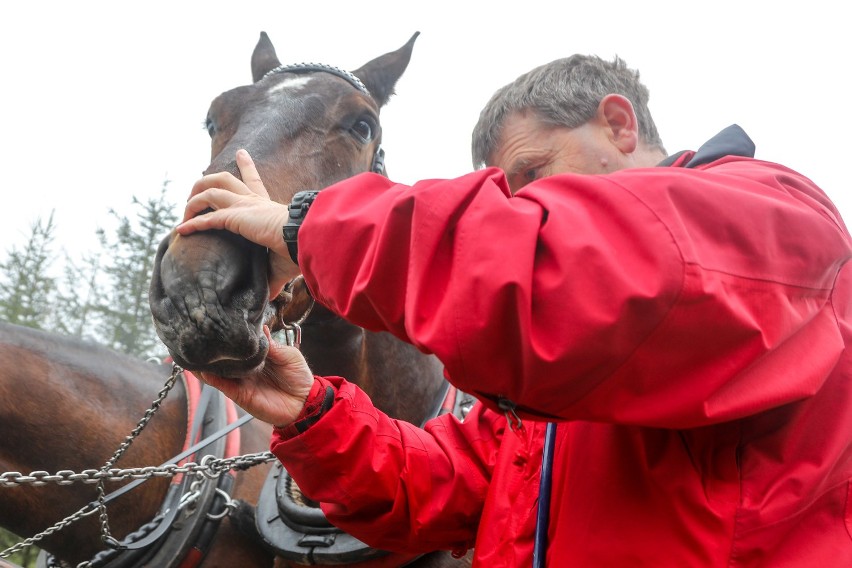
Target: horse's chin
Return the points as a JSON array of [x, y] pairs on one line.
[[228, 368]]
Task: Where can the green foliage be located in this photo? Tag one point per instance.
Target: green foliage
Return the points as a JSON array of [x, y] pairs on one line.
[[26, 558], [125, 315], [77, 306], [26, 288], [102, 298]]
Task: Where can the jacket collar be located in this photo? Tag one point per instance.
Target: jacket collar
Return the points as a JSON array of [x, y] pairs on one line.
[[732, 141]]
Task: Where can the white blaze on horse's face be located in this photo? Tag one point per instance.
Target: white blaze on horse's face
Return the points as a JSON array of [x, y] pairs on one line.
[[291, 83]]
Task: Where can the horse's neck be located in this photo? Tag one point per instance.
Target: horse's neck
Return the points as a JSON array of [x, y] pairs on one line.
[[403, 382], [400, 380]]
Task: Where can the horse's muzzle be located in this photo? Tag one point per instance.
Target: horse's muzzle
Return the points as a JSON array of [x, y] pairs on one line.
[[208, 299]]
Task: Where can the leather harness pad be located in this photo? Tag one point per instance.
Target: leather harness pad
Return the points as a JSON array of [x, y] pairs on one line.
[[295, 528]]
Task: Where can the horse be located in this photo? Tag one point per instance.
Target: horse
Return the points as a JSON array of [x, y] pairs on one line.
[[66, 406], [306, 126]]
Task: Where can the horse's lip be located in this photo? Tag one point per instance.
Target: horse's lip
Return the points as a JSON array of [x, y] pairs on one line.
[[228, 368]]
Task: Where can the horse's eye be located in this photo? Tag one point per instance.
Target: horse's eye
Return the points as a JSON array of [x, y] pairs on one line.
[[363, 130], [210, 126]]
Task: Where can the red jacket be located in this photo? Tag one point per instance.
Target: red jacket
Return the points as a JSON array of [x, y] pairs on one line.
[[686, 326]]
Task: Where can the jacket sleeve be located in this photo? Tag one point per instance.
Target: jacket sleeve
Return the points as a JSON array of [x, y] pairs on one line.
[[665, 297], [389, 483]]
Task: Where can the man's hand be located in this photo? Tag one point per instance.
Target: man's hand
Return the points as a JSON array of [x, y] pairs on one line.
[[221, 201], [276, 394]]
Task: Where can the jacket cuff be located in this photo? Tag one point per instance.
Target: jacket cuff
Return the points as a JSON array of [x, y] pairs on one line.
[[319, 401]]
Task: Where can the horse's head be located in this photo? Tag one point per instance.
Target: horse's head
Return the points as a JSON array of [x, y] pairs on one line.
[[306, 126]]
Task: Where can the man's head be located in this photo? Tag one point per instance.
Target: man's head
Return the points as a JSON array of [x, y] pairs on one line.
[[579, 114]]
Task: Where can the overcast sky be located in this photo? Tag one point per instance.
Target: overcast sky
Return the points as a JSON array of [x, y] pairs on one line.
[[103, 101]]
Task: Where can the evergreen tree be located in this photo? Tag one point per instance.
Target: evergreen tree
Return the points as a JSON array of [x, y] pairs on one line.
[[77, 307], [25, 284], [126, 323]]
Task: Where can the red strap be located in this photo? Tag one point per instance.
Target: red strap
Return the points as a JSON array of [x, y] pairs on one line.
[[192, 559]]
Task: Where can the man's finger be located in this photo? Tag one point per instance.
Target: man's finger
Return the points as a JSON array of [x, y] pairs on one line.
[[248, 171], [213, 198], [219, 179]]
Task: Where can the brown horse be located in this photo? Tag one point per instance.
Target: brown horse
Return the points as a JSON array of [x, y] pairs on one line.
[[306, 127], [68, 405]]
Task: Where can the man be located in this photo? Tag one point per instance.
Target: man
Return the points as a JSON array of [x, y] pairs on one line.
[[683, 321]]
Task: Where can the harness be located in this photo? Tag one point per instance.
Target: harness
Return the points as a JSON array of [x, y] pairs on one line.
[[295, 528], [182, 532]]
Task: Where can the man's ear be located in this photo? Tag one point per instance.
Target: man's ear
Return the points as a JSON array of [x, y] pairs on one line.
[[617, 114]]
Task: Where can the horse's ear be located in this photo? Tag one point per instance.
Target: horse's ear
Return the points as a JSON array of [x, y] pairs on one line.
[[381, 74], [263, 60]]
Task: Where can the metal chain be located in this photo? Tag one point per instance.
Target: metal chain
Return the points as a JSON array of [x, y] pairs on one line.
[[101, 508], [106, 535], [210, 467], [26, 543]]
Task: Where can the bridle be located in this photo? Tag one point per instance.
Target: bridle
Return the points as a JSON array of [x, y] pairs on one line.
[[378, 163], [292, 330]]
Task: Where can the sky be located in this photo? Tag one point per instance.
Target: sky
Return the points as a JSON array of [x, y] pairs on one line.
[[105, 101]]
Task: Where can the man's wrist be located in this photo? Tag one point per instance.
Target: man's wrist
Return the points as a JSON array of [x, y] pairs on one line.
[[297, 210], [319, 401]]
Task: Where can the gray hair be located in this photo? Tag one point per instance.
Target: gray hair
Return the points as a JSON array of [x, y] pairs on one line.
[[566, 93]]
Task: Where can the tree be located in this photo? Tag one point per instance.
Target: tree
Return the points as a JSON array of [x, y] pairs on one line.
[[103, 298], [25, 285], [76, 307], [125, 323]]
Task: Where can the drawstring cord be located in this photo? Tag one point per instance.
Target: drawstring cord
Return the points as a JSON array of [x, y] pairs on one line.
[[543, 513]]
